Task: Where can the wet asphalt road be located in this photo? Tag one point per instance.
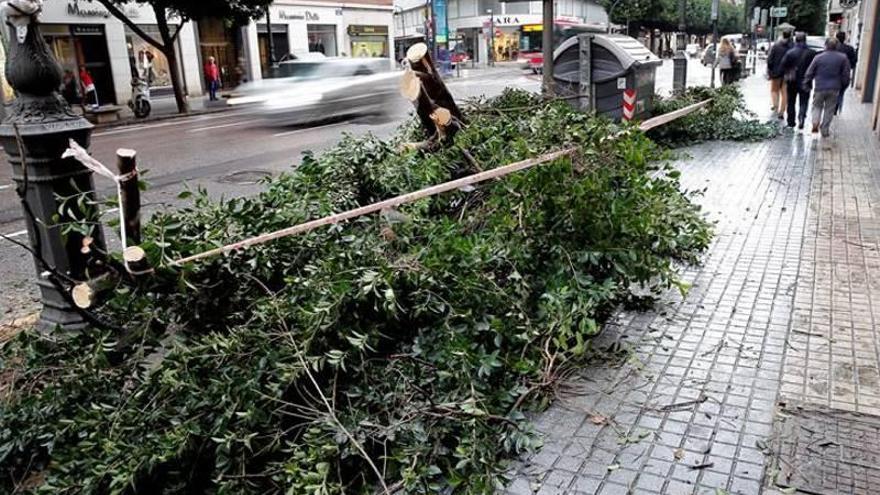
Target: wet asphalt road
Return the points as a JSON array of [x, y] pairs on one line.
[[224, 153]]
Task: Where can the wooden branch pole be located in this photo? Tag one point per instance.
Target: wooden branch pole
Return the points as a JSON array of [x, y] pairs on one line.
[[669, 117], [126, 162], [381, 205]]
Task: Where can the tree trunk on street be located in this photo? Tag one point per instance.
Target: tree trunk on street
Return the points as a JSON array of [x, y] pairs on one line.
[[171, 54]]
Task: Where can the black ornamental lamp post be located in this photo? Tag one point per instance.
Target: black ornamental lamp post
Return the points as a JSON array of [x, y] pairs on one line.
[[35, 133]]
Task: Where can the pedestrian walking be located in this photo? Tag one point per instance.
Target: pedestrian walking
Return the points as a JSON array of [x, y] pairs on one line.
[[212, 78], [830, 70], [776, 75], [794, 65], [727, 62], [852, 56], [90, 93]]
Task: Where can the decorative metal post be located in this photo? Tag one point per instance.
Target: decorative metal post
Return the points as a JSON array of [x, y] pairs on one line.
[[680, 59], [38, 125], [549, 16]]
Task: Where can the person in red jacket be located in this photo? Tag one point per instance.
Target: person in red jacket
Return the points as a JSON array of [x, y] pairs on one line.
[[212, 77], [90, 94]]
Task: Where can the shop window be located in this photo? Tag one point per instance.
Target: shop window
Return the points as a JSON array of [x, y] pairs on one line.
[[322, 39], [145, 60], [224, 43], [280, 42], [368, 41], [76, 46]]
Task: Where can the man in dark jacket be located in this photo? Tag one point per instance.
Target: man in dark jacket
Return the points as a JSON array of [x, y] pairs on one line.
[[794, 68], [851, 55], [775, 73], [831, 72]]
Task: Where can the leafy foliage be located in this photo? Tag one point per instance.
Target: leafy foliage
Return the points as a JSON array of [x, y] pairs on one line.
[[805, 15], [235, 10], [664, 15], [726, 118], [404, 348]]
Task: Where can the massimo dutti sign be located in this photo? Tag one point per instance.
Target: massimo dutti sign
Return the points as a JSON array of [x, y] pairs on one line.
[[305, 16], [77, 8]]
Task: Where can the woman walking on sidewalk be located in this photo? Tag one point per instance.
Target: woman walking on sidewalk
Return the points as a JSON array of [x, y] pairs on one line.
[[727, 62], [831, 72]]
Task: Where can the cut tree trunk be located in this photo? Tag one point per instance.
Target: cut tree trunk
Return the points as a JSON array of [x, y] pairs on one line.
[[136, 261], [420, 60], [422, 85], [85, 294], [411, 89]]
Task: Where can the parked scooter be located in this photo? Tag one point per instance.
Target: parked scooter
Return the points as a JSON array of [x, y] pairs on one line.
[[140, 98]]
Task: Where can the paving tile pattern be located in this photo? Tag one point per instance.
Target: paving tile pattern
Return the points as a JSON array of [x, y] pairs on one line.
[[835, 344], [828, 451], [782, 308]]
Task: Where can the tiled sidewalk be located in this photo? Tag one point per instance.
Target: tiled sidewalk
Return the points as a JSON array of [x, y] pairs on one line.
[[782, 310]]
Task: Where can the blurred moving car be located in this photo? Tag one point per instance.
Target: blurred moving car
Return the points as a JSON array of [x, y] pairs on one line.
[[692, 50], [295, 64], [331, 89], [816, 42]]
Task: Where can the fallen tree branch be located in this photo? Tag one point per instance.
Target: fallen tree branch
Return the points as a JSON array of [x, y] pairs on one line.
[[381, 205], [669, 117]]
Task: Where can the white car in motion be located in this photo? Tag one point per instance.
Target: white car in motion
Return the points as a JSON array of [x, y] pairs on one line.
[[332, 89]]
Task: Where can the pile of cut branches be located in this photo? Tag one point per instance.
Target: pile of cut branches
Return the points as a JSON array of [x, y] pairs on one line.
[[393, 352], [726, 118]]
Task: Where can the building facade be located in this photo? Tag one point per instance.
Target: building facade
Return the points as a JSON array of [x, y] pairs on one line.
[[517, 26], [81, 33], [867, 78], [360, 29], [84, 34]]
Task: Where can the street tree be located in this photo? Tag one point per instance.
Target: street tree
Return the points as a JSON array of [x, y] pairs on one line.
[[805, 15], [235, 11], [664, 15]]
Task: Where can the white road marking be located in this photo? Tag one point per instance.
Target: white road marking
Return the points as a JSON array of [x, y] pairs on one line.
[[182, 121], [120, 131], [231, 124], [6, 186], [307, 129], [16, 234]]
